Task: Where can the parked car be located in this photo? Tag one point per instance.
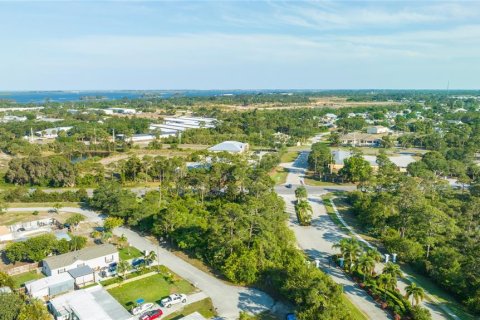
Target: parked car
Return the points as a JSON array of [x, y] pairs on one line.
[[288, 185], [21, 229], [173, 299], [151, 315], [138, 262], [142, 308]]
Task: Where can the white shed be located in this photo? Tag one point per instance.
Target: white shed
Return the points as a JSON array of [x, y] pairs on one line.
[[50, 286]]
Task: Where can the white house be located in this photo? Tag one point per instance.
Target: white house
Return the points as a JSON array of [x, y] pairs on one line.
[[94, 303], [96, 257], [230, 146], [50, 286], [377, 130]]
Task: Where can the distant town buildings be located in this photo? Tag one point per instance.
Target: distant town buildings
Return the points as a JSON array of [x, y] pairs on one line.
[[120, 111], [174, 125], [339, 156], [6, 119]]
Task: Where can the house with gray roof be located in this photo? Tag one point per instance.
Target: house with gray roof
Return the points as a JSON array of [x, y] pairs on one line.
[[230, 146], [96, 257]]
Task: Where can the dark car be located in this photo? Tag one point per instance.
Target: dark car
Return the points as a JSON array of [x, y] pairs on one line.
[[138, 263], [21, 229], [288, 185], [152, 314]]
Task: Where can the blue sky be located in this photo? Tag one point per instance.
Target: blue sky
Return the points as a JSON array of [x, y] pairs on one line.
[[239, 45]]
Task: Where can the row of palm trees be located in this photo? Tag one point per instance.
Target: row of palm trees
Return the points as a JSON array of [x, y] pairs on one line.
[[125, 266], [356, 259]]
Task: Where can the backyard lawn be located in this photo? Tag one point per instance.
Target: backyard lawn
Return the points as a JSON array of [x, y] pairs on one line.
[[21, 278], [204, 307], [151, 289], [129, 253]]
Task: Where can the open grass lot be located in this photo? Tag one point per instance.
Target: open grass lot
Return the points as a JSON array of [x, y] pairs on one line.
[[204, 307], [20, 279], [355, 313], [152, 289], [311, 181], [289, 156], [129, 253], [9, 218], [279, 175]]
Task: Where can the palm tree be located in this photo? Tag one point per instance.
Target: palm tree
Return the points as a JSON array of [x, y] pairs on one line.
[[374, 254], [350, 249], [304, 211], [123, 268], [150, 257], [366, 264], [106, 236], [386, 282], [393, 270], [123, 243], [417, 293], [301, 193]]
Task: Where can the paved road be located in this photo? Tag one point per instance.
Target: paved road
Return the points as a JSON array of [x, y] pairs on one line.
[[317, 240], [229, 300]]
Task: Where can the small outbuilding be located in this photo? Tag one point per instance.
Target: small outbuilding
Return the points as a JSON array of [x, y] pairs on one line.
[[50, 286], [230, 146]]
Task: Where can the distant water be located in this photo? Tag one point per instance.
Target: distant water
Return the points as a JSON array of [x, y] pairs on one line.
[[71, 96]]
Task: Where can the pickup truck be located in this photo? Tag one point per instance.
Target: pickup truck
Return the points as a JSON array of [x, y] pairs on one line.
[[173, 299]]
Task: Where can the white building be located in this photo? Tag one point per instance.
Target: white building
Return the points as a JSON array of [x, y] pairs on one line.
[[377, 130], [94, 303], [96, 257], [52, 133], [137, 137], [120, 111], [230, 146], [6, 119], [50, 286]]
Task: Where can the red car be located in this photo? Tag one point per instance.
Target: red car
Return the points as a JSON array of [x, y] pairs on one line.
[[152, 314]]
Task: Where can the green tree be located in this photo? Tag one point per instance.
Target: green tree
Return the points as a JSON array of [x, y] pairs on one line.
[[6, 280], [75, 219], [417, 293], [111, 223], [123, 268], [11, 304], [77, 243], [304, 212], [150, 257], [301, 193], [393, 270], [350, 249], [356, 169], [366, 264], [34, 309]]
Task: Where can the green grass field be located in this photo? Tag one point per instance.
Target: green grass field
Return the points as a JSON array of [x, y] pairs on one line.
[[151, 289], [289, 156], [129, 253], [279, 175], [204, 307], [20, 279]]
